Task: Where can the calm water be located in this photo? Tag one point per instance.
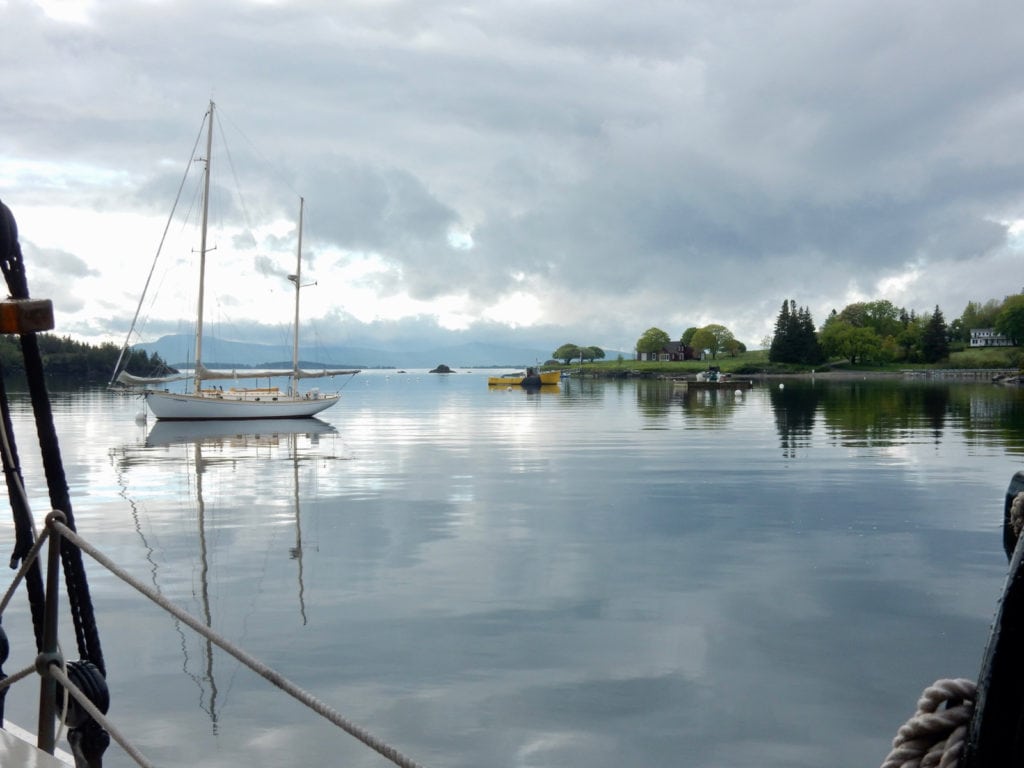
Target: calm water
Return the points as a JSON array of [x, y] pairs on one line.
[[608, 575]]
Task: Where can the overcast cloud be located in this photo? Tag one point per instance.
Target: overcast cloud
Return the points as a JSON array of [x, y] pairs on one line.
[[579, 171]]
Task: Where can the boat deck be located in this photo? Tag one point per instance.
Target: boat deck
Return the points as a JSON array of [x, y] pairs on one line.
[[17, 748]]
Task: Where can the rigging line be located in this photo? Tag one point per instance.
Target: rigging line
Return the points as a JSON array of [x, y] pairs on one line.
[[96, 714], [30, 558], [187, 219], [234, 175], [15, 482], [267, 673], [163, 237], [277, 175]]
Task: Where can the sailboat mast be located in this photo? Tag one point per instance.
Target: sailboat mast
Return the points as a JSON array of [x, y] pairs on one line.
[[298, 289], [197, 377]]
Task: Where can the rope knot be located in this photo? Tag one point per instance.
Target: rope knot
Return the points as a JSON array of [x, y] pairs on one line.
[[934, 737]]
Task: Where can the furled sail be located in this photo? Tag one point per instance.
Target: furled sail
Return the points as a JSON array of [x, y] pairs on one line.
[[131, 380]]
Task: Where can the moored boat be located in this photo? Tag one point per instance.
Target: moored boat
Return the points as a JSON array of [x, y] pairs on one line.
[[215, 402], [529, 378]]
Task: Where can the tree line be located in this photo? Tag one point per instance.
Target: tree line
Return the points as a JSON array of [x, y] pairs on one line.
[[65, 357], [569, 352], [862, 332], [880, 332], [712, 339]]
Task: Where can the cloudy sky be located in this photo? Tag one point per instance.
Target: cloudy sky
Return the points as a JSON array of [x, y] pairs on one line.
[[538, 171]]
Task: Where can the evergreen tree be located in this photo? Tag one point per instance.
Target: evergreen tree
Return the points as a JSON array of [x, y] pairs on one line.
[[795, 339], [810, 348], [780, 352], [935, 338]]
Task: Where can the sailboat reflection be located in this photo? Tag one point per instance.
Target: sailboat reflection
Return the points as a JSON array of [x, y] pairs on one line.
[[260, 458]]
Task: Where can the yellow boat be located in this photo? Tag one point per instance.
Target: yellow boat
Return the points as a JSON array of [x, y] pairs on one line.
[[532, 377]]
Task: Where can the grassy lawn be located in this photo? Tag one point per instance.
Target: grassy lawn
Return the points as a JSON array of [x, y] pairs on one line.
[[756, 361]]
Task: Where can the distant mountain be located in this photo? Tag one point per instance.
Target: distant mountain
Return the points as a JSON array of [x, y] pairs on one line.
[[177, 351]]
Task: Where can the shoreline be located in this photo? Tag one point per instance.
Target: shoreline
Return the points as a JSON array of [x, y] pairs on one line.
[[987, 375]]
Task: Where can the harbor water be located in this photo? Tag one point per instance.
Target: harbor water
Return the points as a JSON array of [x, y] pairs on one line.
[[609, 573]]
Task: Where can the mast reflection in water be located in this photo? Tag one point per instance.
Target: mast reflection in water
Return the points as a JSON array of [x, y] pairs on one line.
[[268, 447], [616, 573]]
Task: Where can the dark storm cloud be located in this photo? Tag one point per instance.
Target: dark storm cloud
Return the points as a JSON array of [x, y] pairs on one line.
[[679, 159]]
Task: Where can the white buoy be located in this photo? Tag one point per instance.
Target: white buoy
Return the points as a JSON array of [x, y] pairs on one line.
[[140, 417], [738, 392], [782, 386]]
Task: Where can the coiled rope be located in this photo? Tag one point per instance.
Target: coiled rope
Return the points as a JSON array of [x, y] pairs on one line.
[[936, 734], [1017, 515]]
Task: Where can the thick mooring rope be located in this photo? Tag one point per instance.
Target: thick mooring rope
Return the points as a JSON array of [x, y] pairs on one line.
[[1017, 514], [12, 266], [934, 737]]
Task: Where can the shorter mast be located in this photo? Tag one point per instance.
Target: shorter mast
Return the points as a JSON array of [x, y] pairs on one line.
[[297, 279]]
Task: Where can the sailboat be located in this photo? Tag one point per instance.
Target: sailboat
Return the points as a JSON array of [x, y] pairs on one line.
[[216, 402]]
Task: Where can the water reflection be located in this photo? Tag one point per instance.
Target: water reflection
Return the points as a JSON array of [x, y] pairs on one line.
[[233, 454], [794, 408], [612, 575], [873, 414], [711, 408]]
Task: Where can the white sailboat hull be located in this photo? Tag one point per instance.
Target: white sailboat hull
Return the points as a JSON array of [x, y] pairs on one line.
[[171, 406]]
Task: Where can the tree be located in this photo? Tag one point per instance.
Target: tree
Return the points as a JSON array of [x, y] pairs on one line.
[[720, 336], [734, 347], [566, 352], [840, 338], [808, 348], [909, 340], [781, 349], [1010, 321], [702, 341], [957, 332], [687, 338], [795, 339], [67, 358], [977, 315], [935, 338], [652, 341], [882, 316], [592, 353]]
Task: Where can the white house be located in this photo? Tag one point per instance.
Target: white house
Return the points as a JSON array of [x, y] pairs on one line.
[[987, 337]]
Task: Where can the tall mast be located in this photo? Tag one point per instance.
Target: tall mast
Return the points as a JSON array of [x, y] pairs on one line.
[[197, 378], [298, 288]]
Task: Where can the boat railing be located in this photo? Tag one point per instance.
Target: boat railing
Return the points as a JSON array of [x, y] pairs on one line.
[[52, 669]]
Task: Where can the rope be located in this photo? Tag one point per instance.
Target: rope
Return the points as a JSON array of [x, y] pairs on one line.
[[12, 267], [935, 738], [79, 601], [29, 560], [1017, 514], [297, 693], [10, 680], [55, 671]]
